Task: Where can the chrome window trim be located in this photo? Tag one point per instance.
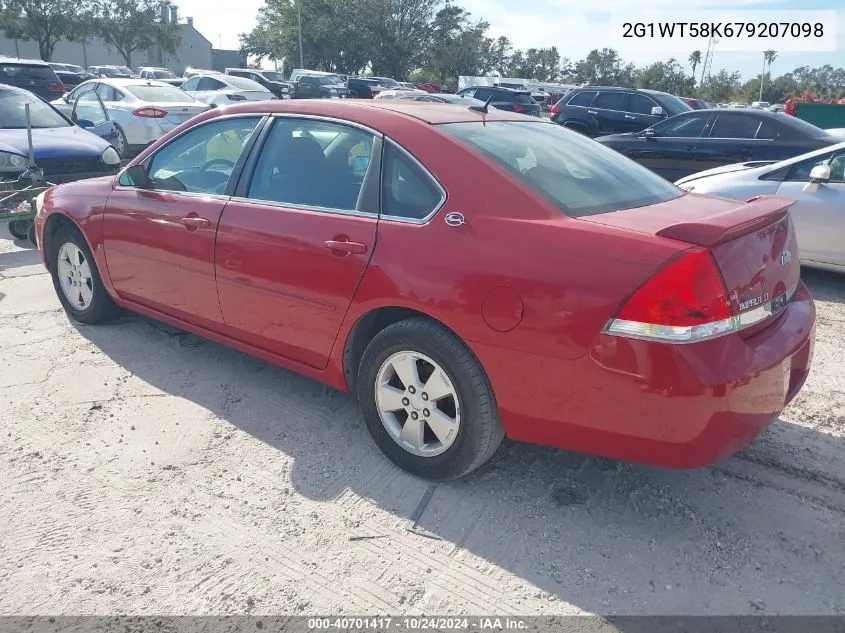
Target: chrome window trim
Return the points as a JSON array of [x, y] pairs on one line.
[[303, 207], [431, 177], [328, 119], [696, 333]]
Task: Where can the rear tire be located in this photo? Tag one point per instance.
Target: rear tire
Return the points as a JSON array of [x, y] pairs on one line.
[[121, 145], [77, 280], [30, 234], [19, 228], [461, 404]]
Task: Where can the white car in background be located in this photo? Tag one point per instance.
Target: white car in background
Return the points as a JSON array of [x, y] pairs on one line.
[[403, 93], [143, 110], [816, 181], [219, 90]]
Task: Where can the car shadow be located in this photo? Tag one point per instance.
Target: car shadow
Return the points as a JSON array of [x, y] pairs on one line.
[[609, 537], [824, 285], [10, 260]]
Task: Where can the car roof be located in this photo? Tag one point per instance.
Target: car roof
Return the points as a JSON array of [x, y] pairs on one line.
[[360, 110], [123, 82], [28, 62]]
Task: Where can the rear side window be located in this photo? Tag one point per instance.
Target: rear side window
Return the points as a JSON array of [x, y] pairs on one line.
[[407, 190], [25, 72], [207, 83], [610, 101], [108, 93], [767, 131], [582, 98], [574, 173], [735, 126]]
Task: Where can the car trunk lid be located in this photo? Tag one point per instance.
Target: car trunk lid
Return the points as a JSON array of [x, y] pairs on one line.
[[752, 243]]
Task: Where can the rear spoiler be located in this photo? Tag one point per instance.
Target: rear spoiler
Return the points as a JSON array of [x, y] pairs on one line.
[[723, 227]]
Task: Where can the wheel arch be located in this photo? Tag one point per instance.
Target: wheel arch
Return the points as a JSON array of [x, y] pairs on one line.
[[54, 222], [369, 324]]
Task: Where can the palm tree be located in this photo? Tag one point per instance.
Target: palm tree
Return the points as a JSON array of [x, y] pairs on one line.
[[694, 61], [768, 57]]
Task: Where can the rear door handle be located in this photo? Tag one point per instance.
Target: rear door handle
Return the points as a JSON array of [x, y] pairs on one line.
[[632, 118], [342, 248], [591, 112], [194, 222]]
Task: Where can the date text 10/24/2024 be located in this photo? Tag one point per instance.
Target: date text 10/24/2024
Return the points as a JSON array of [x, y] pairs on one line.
[[418, 623]]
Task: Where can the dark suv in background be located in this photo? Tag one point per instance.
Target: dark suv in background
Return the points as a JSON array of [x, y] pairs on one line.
[[504, 99], [270, 79], [35, 76], [599, 110]]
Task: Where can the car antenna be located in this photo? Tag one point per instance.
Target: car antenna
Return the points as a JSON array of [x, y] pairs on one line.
[[483, 109]]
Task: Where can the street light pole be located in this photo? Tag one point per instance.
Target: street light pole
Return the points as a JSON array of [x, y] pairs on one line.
[[299, 24], [762, 77]]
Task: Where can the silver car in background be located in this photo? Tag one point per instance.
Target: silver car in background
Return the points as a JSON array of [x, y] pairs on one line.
[[143, 110], [219, 90], [816, 181]]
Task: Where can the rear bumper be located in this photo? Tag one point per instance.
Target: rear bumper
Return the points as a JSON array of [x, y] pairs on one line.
[[680, 406]]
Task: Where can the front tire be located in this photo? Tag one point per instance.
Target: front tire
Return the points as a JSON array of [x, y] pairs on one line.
[[121, 145], [427, 402], [77, 280]]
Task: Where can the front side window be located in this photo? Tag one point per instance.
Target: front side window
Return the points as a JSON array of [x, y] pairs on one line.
[[735, 126], [800, 172], [483, 94], [202, 160], [108, 93], [407, 190], [640, 104], [576, 174], [688, 126], [312, 164]]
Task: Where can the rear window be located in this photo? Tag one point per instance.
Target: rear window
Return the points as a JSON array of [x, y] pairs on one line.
[[523, 98], [18, 72], [159, 94], [13, 112], [576, 174], [503, 95], [245, 84]]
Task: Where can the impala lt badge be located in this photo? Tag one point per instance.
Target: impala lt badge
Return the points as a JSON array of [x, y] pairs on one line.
[[785, 258]]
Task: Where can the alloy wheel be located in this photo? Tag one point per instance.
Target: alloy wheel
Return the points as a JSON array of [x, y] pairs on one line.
[[74, 274], [417, 403]]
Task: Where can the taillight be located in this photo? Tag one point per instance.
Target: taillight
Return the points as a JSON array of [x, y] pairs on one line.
[[518, 108], [554, 109], [149, 112], [231, 97], [56, 87], [684, 302]]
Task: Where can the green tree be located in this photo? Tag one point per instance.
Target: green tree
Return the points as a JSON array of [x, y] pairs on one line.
[[668, 76], [133, 25], [694, 61], [720, 87], [400, 34], [604, 67], [44, 21]]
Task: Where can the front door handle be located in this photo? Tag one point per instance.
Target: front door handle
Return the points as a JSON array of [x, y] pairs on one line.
[[591, 112], [343, 247], [194, 222], [632, 118]]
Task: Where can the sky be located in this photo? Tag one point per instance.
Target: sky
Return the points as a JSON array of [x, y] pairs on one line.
[[568, 24]]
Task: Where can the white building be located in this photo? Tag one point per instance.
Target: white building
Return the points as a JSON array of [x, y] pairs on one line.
[[194, 50]]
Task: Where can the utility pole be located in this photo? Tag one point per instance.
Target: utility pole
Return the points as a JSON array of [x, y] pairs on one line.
[[762, 77], [299, 23]]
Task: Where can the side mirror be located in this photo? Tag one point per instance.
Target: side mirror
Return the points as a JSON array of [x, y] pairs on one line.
[[135, 176], [657, 111], [648, 133], [85, 123], [819, 175]]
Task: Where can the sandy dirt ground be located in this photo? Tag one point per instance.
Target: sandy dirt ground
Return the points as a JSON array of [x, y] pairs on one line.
[[147, 471]]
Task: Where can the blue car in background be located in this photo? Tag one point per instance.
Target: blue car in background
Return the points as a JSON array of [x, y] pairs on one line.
[[63, 149]]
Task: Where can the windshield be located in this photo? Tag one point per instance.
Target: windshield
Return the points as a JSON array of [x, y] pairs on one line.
[[113, 72], [576, 174], [164, 74], [272, 75], [672, 104], [387, 82], [159, 94], [124, 70], [243, 83], [60, 67], [13, 112], [74, 68]]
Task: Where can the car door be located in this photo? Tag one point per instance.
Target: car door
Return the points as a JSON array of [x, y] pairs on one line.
[[609, 111], [820, 215], [731, 139], [294, 242], [669, 148], [158, 235], [89, 112]]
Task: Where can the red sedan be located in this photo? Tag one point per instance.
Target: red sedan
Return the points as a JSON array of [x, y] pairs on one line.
[[467, 275]]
